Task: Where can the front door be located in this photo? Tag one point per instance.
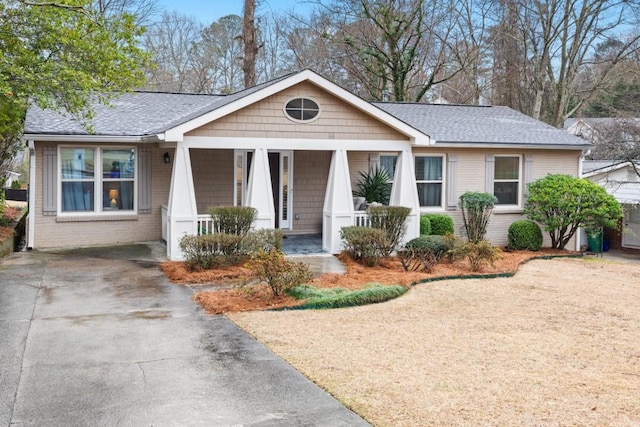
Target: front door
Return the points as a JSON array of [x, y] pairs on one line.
[[280, 167], [631, 234]]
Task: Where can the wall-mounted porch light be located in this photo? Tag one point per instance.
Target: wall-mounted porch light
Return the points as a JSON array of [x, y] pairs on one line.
[[166, 158]]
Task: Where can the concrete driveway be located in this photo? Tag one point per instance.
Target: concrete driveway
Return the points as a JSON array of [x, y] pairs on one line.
[[93, 337]]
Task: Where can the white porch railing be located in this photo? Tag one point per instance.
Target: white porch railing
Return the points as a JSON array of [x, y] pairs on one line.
[[205, 225], [163, 210], [361, 219]]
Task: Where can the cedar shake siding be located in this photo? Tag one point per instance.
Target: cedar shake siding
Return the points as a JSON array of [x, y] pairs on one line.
[[266, 119], [213, 178], [310, 174]]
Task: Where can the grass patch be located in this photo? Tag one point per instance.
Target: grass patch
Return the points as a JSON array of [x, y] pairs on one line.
[[321, 298]]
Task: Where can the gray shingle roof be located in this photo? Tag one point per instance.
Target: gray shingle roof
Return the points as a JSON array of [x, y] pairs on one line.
[[595, 165], [479, 124], [135, 114], [149, 113]]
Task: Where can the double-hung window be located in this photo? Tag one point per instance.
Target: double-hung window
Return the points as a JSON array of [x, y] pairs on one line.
[[95, 180], [507, 180], [429, 172]]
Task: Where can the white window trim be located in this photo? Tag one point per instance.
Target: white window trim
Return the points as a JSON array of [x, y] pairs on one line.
[[97, 183], [441, 208], [517, 207], [286, 114], [244, 179]]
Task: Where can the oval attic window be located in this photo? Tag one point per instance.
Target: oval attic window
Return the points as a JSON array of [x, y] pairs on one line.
[[302, 109]]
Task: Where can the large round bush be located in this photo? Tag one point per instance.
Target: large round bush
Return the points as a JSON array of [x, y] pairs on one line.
[[525, 234]]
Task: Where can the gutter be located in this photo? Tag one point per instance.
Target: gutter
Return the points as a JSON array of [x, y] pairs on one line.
[[446, 144], [93, 138]]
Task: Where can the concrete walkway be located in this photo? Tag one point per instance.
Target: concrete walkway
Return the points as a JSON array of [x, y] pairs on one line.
[[89, 338]]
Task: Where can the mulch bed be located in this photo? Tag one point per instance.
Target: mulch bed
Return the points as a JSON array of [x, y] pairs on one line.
[[388, 272], [11, 214]]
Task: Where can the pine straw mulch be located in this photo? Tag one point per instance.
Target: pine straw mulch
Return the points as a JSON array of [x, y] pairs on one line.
[[12, 214], [230, 296]]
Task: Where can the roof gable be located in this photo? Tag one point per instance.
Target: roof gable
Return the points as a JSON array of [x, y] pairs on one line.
[[266, 119], [245, 98]]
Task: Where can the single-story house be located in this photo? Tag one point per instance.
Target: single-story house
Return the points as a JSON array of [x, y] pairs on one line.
[[620, 180], [292, 148]]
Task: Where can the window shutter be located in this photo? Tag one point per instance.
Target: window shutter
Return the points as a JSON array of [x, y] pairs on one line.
[[528, 169], [49, 181], [490, 171], [452, 200], [144, 180]]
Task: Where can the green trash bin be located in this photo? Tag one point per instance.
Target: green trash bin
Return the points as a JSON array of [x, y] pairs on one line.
[[594, 240]]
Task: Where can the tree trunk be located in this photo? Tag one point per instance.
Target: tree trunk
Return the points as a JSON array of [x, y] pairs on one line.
[[250, 43]]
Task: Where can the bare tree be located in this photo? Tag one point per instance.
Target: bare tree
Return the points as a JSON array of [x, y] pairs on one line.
[[170, 43], [561, 36], [616, 139], [144, 11]]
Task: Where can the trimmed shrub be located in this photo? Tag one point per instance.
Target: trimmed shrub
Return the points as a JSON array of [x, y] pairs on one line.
[[476, 210], [279, 273], [364, 244], [233, 219], [337, 297], [425, 225], [264, 239], [392, 220], [480, 254], [441, 224], [211, 250], [525, 234], [454, 246], [422, 253]]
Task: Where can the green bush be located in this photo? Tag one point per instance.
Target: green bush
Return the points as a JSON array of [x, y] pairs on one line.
[[16, 185], [563, 203], [454, 246], [525, 234], [364, 244], [440, 224], [480, 254], [374, 186], [280, 274], [233, 219], [476, 210], [392, 220], [211, 250], [316, 298], [425, 225], [264, 239], [422, 253]]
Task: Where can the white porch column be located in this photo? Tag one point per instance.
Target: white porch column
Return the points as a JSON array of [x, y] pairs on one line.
[[182, 211], [338, 202], [405, 193], [259, 191]]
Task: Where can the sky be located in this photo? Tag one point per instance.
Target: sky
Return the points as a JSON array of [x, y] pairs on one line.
[[212, 10]]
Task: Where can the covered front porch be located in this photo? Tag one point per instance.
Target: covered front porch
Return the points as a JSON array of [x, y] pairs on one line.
[[300, 187]]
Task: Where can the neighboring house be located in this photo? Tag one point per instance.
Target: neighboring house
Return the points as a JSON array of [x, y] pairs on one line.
[[10, 177], [292, 148], [622, 182]]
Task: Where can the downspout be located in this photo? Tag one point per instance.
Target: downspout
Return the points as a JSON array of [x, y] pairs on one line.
[[579, 232], [31, 205]]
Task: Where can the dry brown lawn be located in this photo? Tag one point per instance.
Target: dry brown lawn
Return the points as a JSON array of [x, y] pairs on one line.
[[558, 344]]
